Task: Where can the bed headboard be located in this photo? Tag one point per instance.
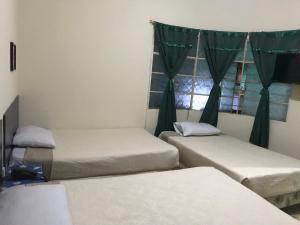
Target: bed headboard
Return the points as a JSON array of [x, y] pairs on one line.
[[10, 124], [1, 150]]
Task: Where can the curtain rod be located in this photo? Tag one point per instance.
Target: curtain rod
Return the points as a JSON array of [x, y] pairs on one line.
[[153, 22]]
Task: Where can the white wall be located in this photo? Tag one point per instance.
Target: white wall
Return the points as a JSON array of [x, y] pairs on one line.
[[87, 63], [8, 33]]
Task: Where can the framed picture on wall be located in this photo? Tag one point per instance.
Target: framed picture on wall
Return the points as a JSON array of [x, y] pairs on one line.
[[13, 56]]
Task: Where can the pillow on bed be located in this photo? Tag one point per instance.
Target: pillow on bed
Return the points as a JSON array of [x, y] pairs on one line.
[[35, 137], [195, 129]]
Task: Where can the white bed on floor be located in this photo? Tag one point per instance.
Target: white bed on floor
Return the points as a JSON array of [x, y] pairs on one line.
[[191, 197], [98, 152], [274, 176]]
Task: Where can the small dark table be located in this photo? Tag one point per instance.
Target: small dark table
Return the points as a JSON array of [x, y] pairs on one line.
[[8, 181]]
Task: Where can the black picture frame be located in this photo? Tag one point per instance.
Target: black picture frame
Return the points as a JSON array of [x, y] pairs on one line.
[[13, 56]]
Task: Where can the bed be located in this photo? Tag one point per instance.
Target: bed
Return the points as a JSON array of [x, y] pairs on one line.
[[94, 152], [189, 196], [99, 152], [274, 176]]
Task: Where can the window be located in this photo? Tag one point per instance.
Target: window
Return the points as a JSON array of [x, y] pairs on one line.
[[248, 87], [240, 88]]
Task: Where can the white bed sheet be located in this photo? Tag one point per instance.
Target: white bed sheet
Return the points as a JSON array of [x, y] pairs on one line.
[[44, 205], [98, 152], [190, 196], [265, 172]]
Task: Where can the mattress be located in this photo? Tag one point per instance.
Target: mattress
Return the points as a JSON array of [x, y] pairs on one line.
[[267, 173], [45, 205], [99, 152], [189, 196]]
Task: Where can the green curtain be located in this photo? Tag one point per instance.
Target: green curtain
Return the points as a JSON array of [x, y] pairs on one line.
[[174, 44], [265, 47], [220, 50]]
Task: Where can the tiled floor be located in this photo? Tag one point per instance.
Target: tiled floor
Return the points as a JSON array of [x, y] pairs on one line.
[[294, 211]]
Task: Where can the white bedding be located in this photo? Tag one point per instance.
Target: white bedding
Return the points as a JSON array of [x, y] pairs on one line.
[[46, 205], [190, 197], [265, 172], [95, 152]]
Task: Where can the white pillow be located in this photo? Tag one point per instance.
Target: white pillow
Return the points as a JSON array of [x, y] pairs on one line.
[[195, 129], [35, 137]]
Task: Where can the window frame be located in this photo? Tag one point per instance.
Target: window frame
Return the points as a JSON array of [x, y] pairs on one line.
[[240, 86]]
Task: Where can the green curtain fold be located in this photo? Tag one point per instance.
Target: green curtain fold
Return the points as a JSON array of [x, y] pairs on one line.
[[174, 44], [220, 50], [265, 47]]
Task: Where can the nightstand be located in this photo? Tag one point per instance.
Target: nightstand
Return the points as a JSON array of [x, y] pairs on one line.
[[8, 181]]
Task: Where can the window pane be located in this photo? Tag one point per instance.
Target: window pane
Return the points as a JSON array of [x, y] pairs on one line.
[[279, 99], [252, 90], [229, 84], [250, 72], [155, 100], [202, 69], [182, 101], [240, 55], [280, 89], [249, 54], [225, 104], [279, 92], [201, 53], [279, 95], [183, 84], [231, 73], [278, 112], [227, 92], [199, 102], [158, 82], [203, 86], [240, 91], [249, 106], [230, 76]]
